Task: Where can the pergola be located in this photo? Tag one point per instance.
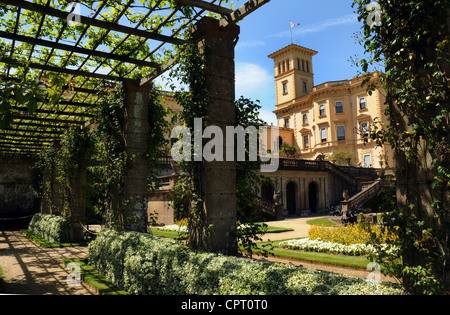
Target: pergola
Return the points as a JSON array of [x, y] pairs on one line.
[[126, 42], [87, 63]]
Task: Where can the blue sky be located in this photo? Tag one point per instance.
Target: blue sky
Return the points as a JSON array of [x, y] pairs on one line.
[[327, 26]]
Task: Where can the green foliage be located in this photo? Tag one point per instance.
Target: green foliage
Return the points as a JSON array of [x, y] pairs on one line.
[[412, 41], [16, 94], [143, 264], [289, 150], [341, 158], [51, 227]]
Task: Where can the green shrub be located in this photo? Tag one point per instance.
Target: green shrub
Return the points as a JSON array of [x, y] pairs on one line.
[[149, 265], [55, 229]]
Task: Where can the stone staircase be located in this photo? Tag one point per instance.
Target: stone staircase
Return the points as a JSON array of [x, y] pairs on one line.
[[363, 196]]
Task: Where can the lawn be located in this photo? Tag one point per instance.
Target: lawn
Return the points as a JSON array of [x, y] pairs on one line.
[[45, 243], [333, 259], [321, 222], [183, 236], [97, 281]]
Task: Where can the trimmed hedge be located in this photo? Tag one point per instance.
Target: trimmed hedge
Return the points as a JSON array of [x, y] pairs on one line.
[[53, 228], [144, 264]]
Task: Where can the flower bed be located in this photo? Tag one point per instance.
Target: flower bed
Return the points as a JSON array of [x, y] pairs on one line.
[[146, 264], [351, 234], [53, 228], [174, 228], [318, 245]]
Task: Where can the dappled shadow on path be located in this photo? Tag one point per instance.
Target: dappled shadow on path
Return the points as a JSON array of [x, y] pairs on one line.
[[30, 269]]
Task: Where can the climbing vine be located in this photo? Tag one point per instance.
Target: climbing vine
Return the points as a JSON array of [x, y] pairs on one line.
[[187, 198], [411, 38]]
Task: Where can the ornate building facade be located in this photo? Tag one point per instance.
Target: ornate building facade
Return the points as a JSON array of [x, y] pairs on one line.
[[318, 121], [333, 116]]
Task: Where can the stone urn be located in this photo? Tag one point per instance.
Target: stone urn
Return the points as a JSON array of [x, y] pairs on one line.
[[276, 197], [345, 195]]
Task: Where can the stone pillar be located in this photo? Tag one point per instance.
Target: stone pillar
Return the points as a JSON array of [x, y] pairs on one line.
[[136, 141], [218, 179], [77, 206]]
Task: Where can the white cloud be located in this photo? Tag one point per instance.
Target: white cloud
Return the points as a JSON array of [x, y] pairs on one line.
[[250, 44], [319, 27], [251, 79], [267, 116]]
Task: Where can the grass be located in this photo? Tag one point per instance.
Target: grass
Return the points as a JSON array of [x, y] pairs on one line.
[[175, 235], [97, 281], [45, 243], [331, 259], [321, 222], [168, 234]]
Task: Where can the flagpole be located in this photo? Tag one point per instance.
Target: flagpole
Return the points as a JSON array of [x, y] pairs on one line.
[[290, 26]]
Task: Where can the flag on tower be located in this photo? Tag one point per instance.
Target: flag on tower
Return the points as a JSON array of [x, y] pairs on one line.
[[292, 26]]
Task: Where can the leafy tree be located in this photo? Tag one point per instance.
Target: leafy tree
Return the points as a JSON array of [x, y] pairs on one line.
[[412, 39], [342, 157]]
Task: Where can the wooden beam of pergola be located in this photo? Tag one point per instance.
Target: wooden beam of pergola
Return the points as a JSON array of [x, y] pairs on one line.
[[239, 14], [92, 22], [36, 131], [206, 6], [84, 51], [19, 153], [30, 124], [49, 120], [20, 145], [54, 112], [25, 139], [79, 73]]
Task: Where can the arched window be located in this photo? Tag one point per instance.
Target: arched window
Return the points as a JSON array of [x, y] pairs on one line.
[[288, 65]]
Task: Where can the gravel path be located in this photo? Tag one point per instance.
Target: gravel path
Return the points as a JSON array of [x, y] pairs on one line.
[[30, 269]]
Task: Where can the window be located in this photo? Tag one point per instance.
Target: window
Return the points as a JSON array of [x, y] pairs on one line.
[[364, 129], [367, 160], [323, 134], [341, 132], [305, 119], [288, 65], [305, 87], [285, 88], [284, 66], [279, 68], [306, 141], [286, 122], [298, 64], [303, 65], [307, 66], [362, 102], [321, 109], [339, 107]]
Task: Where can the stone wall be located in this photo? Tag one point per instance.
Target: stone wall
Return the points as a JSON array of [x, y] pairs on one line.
[[16, 194]]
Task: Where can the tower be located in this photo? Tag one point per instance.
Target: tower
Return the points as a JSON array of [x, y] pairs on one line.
[[294, 76]]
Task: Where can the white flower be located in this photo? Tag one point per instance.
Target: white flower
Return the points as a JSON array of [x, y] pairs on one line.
[[321, 246]]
